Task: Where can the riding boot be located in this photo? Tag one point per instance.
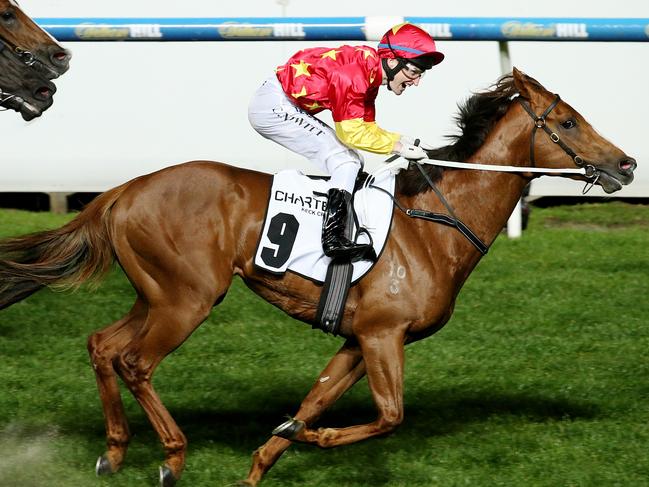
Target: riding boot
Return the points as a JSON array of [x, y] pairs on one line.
[[334, 242]]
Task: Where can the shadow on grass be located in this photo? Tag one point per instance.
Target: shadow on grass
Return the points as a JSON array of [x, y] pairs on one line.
[[432, 414]]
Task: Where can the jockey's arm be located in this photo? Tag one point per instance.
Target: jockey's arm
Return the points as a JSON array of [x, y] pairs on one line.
[[367, 136]]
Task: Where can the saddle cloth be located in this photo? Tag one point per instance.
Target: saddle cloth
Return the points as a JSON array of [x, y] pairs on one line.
[[291, 235]]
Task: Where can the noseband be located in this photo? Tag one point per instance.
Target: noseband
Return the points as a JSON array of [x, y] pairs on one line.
[[591, 172]]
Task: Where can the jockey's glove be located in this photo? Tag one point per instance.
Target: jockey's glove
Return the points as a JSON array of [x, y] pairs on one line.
[[411, 148]]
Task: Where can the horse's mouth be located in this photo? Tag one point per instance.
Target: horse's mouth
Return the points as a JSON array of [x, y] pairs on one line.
[[613, 181], [609, 183]]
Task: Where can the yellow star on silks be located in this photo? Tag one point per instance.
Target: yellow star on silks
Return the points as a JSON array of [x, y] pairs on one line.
[[366, 52], [301, 69], [396, 28], [331, 54], [314, 106], [300, 94], [372, 77]]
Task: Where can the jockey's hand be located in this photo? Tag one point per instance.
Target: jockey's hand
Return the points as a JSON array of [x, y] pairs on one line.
[[412, 141], [409, 151]]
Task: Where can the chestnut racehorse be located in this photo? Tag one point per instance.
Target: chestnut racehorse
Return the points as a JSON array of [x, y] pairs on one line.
[[29, 59], [182, 233]]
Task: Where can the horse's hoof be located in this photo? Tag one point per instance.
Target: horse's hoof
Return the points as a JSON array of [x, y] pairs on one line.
[[167, 478], [103, 466], [289, 429]]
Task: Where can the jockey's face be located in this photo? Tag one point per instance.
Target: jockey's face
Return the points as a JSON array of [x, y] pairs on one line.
[[408, 76]]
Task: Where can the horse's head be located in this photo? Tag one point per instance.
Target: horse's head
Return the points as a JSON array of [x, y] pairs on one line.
[[570, 141], [29, 59]]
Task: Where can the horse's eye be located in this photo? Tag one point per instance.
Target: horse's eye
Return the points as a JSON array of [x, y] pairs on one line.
[[8, 16], [569, 124]]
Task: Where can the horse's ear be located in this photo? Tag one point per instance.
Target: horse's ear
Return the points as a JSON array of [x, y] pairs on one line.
[[526, 85]]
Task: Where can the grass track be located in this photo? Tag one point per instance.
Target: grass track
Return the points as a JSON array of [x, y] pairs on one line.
[[539, 379]]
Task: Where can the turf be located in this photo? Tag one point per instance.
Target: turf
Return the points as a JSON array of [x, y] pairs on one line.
[[539, 379]]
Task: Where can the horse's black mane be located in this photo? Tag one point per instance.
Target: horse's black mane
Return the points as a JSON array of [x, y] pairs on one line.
[[475, 118]]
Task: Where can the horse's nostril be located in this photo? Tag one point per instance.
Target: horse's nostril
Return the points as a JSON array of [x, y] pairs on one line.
[[60, 57], [627, 165], [43, 93]]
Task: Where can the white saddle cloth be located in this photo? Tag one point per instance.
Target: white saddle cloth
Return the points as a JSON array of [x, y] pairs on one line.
[[291, 236]]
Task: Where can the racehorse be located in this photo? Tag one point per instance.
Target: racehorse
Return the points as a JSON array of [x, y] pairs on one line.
[[182, 233], [29, 59]]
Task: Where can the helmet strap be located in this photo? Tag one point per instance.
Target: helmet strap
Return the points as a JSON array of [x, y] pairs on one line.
[[392, 72]]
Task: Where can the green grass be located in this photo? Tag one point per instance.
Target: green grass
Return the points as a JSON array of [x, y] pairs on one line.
[[539, 379]]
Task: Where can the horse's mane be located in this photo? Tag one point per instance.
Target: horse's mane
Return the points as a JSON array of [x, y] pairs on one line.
[[475, 118]]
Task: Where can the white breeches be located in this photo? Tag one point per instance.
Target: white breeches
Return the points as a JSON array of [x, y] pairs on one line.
[[273, 115]]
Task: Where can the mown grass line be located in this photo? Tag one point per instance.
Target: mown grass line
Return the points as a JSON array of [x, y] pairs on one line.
[[539, 379]]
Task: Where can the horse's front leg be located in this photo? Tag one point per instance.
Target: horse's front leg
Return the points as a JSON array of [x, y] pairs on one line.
[[383, 354], [342, 372]]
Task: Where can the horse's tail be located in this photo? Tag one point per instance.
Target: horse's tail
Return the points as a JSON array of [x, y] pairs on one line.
[[62, 258]]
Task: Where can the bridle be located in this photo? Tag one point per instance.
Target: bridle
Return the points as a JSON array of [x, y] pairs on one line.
[[590, 171], [27, 58]]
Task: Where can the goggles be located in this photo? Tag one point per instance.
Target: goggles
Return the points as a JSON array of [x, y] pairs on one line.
[[412, 72]]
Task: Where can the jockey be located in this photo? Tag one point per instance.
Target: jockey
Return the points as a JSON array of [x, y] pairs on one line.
[[344, 80]]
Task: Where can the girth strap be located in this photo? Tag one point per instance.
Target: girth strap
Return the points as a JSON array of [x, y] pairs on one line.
[[451, 222]]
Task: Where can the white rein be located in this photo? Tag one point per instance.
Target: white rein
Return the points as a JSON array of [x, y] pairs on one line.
[[402, 163]]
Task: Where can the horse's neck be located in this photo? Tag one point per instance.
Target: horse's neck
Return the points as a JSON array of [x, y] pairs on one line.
[[482, 200]]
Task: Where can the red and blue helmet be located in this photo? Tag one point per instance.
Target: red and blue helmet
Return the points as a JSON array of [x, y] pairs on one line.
[[411, 44]]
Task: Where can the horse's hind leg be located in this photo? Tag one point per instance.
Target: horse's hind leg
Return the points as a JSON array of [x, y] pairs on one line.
[[103, 347], [342, 372], [166, 328]]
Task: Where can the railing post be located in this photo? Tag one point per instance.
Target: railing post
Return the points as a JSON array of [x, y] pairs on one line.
[[515, 222], [58, 202]]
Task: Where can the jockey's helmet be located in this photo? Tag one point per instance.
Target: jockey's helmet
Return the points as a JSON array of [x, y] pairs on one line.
[[409, 45]]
